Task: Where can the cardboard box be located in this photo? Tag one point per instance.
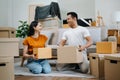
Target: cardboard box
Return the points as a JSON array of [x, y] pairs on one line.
[[69, 54], [7, 32], [42, 53], [9, 47], [112, 67], [54, 50], [106, 47], [118, 40], [97, 64], [6, 68]]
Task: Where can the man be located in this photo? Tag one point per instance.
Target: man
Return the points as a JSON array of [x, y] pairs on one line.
[[76, 36]]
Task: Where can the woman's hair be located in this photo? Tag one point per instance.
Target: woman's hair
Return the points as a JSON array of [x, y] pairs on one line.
[[31, 27], [73, 14]]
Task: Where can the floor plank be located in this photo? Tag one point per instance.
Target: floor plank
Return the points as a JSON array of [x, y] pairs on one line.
[[49, 78]]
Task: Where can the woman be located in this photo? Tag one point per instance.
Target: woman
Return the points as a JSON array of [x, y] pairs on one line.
[[35, 40]]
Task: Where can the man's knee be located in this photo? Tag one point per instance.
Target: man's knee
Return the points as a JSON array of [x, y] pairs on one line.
[[84, 67], [84, 70]]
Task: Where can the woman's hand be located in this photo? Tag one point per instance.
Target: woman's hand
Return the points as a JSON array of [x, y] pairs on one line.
[[34, 57]]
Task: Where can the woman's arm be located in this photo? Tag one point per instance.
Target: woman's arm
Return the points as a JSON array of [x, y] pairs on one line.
[[25, 52]]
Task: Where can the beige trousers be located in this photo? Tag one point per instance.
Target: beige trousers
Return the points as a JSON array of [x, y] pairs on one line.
[[81, 67]]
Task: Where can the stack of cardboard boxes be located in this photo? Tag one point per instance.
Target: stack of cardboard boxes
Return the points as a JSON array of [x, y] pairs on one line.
[[8, 49], [112, 67], [101, 65]]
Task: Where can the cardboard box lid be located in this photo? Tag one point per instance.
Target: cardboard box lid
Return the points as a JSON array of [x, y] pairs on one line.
[[105, 42], [113, 57], [97, 55], [67, 48], [6, 59], [7, 28], [4, 40], [52, 46]]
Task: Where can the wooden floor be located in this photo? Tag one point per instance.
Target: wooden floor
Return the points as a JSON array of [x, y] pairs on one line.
[[49, 78]]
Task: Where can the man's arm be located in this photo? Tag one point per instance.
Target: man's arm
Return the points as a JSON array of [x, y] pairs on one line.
[[88, 44], [62, 43]]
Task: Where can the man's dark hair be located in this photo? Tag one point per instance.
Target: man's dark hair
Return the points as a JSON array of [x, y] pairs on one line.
[[73, 14]]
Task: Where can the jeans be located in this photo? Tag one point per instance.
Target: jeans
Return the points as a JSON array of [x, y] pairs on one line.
[[38, 66]]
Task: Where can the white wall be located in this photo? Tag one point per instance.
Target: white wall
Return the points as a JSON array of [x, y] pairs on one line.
[[3, 12], [20, 10], [107, 9], [84, 8], [11, 11]]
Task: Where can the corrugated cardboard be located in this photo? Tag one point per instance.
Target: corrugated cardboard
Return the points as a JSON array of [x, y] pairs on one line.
[[69, 54], [54, 50], [7, 32], [112, 67], [6, 68], [106, 47], [42, 53], [9, 47], [97, 64], [118, 40]]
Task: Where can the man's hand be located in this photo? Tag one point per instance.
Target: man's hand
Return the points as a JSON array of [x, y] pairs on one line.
[[81, 48]]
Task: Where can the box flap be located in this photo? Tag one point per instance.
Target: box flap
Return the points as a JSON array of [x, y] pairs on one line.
[[52, 46], [113, 57], [7, 28], [97, 55], [6, 59]]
